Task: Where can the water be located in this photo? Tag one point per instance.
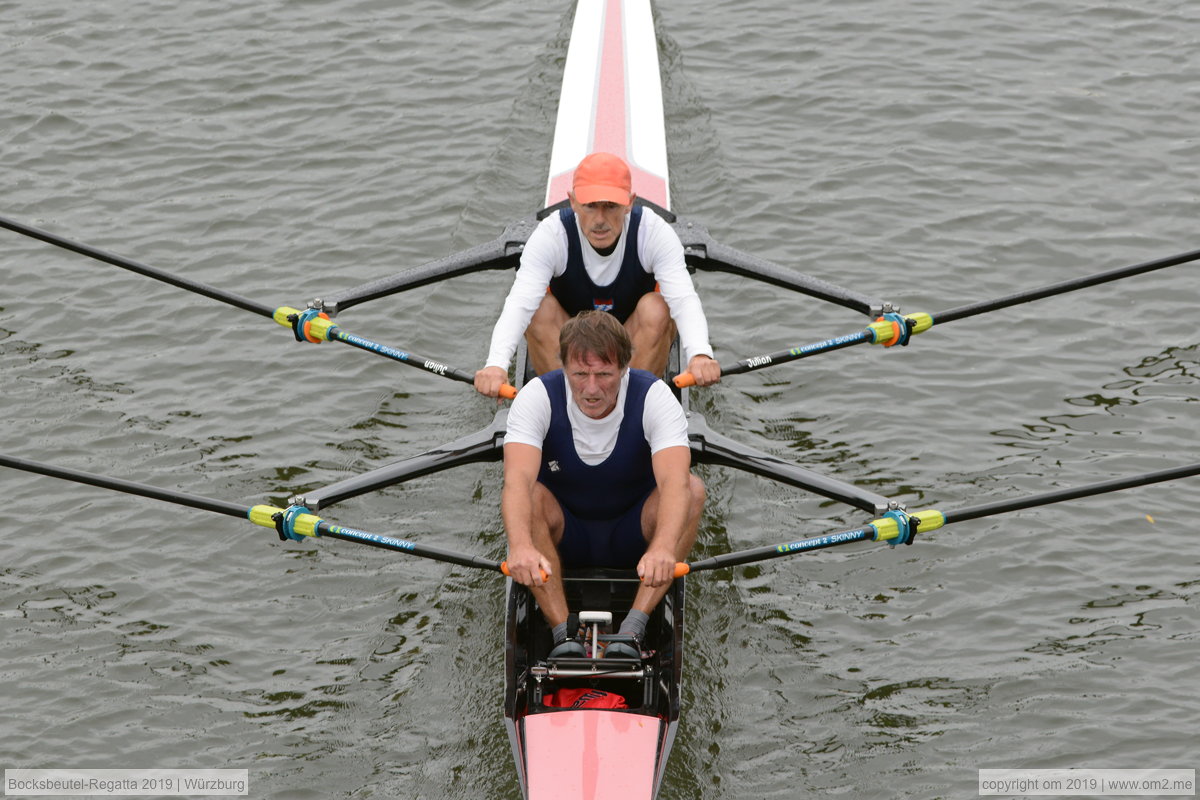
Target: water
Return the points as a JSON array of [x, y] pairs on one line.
[[931, 153]]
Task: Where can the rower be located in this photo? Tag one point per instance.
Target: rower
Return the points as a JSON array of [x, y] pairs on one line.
[[597, 473], [605, 253]]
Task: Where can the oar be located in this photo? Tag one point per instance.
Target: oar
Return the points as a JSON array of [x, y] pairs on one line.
[[970, 310], [888, 330], [898, 527], [291, 523], [300, 322], [312, 326], [136, 266], [892, 329]]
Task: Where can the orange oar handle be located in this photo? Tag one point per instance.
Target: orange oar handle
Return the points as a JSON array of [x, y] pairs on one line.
[[683, 380], [504, 569], [681, 569], [508, 391]]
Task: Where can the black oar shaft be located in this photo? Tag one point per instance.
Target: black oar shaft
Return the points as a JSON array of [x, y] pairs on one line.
[[796, 353], [684, 379], [265, 516], [128, 487], [932, 519], [332, 531], [923, 321], [135, 266], [1059, 495], [970, 310], [318, 327], [403, 356], [890, 329], [778, 551]]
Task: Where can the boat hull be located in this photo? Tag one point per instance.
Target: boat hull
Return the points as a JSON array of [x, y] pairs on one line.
[[612, 99], [611, 102], [590, 751]]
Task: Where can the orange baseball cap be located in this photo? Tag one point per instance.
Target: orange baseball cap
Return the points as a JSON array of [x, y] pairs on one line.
[[602, 177]]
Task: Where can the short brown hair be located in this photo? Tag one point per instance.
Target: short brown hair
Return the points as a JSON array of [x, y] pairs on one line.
[[597, 333]]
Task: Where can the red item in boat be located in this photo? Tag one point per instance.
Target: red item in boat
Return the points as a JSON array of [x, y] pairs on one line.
[[584, 698]]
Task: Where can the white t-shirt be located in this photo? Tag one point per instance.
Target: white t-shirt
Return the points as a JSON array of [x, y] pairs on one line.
[[663, 421], [545, 257]]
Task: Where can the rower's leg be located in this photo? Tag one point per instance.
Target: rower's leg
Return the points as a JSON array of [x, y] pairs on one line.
[[541, 336], [648, 597], [547, 531], [652, 331]]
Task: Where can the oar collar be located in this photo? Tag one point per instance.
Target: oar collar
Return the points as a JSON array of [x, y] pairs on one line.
[[295, 523]]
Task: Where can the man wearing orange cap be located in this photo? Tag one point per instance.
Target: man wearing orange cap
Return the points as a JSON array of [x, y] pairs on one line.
[[602, 253]]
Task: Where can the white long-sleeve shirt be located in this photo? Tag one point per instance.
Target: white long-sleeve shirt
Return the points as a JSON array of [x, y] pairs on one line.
[[545, 257]]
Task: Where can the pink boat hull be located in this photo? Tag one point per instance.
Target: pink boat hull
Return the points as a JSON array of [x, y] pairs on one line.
[[592, 753]]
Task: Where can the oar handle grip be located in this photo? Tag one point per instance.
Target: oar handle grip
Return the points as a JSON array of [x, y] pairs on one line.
[[684, 380], [681, 569], [508, 391], [504, 569]]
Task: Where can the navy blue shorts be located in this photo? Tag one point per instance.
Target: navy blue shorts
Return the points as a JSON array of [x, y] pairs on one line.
[[616, 542]]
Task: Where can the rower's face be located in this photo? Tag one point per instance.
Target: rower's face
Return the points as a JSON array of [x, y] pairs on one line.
[[595, 383], [600, 222]]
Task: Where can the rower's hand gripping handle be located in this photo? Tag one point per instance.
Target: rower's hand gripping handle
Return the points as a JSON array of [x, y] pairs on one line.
[[681, 570], [504, 564]]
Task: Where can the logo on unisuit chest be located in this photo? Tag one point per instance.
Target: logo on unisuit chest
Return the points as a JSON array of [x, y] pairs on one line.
[[602, 304], [552, 466]]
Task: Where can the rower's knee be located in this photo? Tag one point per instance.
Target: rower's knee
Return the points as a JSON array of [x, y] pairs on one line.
[[547, 510], [651, 331], [652, 315]]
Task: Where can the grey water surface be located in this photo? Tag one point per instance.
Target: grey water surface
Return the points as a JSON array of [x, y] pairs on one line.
[[929, 152]]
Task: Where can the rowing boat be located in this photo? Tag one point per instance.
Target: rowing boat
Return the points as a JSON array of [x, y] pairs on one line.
[[568, 739]]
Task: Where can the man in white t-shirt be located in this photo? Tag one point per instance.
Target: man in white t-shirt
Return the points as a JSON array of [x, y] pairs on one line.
[[597, 472], [602, 253]]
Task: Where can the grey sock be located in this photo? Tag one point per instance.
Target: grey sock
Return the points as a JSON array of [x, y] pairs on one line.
[[560, 632], [635, 624]]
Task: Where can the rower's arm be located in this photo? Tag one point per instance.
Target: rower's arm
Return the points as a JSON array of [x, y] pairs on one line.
[[663, 251], [521, 465], [672, 473], [542, 252]]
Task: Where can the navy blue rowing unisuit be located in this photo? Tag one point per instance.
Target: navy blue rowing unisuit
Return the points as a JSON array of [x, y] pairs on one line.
[[575, 290], [602, 503]]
